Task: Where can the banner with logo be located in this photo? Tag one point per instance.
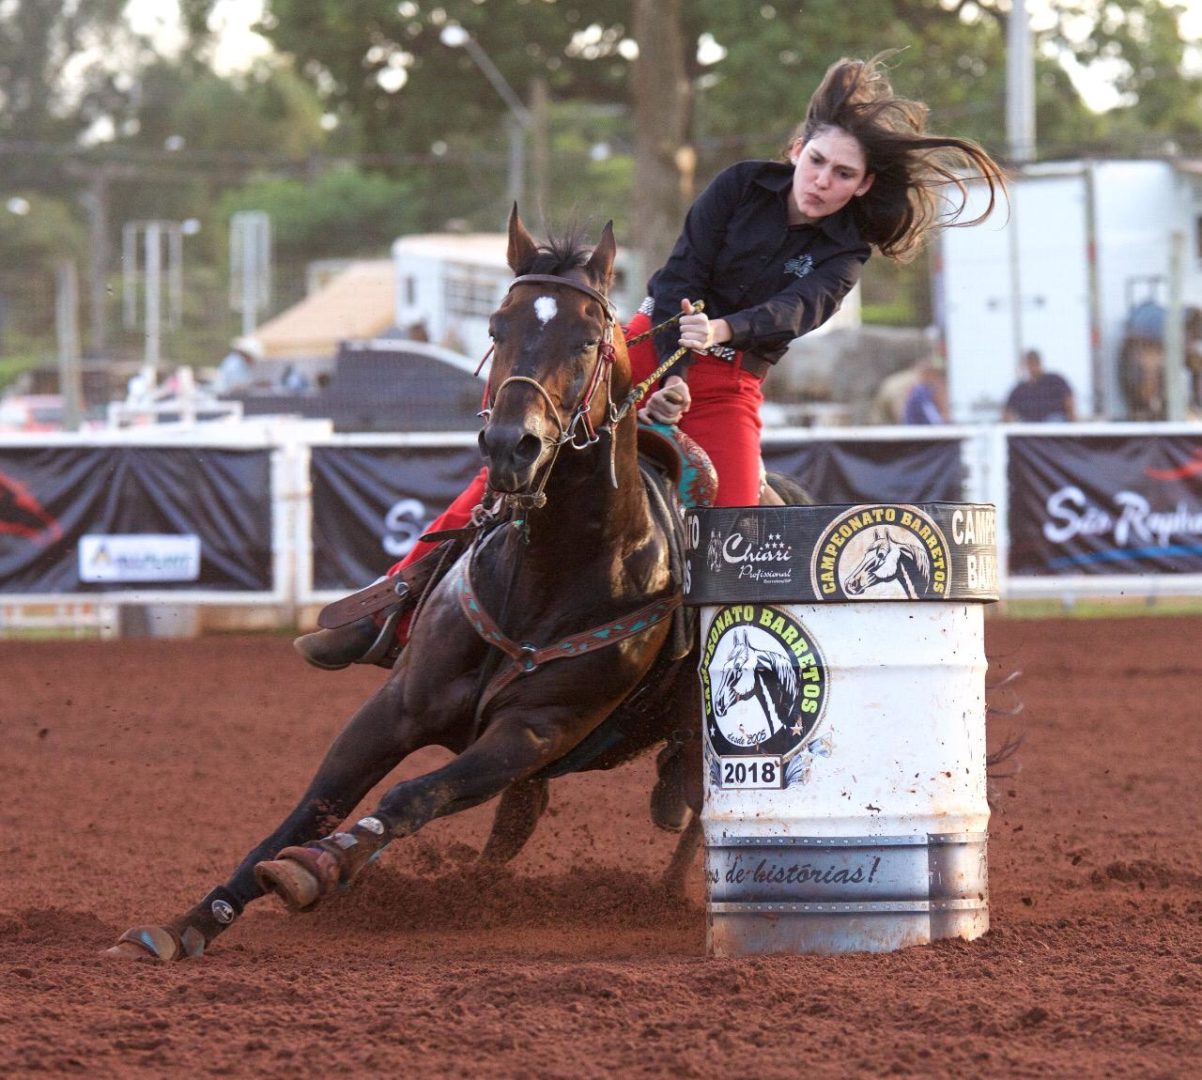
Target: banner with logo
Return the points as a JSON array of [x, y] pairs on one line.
[[872, 551], [1105, 505], [909, 471], [100, 518], [371, 503]]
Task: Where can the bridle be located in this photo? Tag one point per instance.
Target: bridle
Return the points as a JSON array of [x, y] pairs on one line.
[[578, 432]]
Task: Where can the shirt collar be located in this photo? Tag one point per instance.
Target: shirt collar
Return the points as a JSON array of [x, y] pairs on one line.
[[777, 177]]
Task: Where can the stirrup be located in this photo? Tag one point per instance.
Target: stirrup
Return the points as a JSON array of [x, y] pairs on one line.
[[385, 649]]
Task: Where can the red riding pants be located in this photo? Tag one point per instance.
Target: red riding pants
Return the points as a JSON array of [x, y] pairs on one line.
[[724, 419]]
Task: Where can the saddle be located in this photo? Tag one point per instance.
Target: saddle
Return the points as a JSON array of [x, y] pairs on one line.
[[677, 474]]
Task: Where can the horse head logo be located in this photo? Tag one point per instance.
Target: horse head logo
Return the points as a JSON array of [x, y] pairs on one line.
[[713, 552], [766, 675], [890, 558]]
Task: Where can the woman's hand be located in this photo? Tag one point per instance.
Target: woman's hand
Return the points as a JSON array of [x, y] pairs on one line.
[[669, 403], [695, 331], [698, 331]]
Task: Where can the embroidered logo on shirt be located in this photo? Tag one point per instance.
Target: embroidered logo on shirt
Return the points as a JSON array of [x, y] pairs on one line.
[[799, 267]]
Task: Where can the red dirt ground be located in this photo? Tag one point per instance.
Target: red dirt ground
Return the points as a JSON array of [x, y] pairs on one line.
[[136, 774]]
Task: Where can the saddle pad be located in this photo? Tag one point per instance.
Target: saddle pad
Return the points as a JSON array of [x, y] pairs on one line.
[[681, 459]]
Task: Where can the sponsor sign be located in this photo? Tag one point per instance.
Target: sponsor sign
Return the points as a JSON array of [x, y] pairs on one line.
[[372, 503], [136, 557], [1105, 505], [764, 692], [184, 519], [870, 551]]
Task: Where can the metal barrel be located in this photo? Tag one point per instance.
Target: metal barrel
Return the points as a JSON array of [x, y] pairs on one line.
[[842, 675]]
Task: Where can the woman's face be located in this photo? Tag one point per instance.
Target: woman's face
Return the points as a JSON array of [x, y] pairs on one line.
[[831, 170]]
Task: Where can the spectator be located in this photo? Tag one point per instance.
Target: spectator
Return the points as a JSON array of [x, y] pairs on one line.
[[889, 402], [293, 380], [234, 372], [1039, 395], [927, 401]]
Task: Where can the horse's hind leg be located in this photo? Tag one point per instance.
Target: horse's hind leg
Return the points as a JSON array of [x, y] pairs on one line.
[[368, 748], [676, 876], [518, 814]]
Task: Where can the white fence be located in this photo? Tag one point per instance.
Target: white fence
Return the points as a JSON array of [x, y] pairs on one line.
[[984, 456]]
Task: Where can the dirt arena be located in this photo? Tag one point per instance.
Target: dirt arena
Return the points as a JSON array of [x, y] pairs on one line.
[[136, 774]]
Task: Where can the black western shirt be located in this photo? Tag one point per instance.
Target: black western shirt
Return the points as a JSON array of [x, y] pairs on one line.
[[771, 281]]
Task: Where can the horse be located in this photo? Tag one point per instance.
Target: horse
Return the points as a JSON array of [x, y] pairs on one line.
[[1141, 378], [889, 558], [765, 674], [542, 651]]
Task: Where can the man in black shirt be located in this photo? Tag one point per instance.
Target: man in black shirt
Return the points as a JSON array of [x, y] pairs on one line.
[[1040, 395]]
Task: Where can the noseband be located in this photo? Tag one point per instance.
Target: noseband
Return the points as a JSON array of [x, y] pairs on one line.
[[579, 431]]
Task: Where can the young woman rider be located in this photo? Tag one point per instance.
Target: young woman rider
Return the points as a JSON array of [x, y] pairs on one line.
[[772, 248]]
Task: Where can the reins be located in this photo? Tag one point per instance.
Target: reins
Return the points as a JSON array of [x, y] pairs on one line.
[[637, 392]]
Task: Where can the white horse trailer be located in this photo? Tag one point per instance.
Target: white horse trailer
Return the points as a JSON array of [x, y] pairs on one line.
[[1083, 244], [448, 284]]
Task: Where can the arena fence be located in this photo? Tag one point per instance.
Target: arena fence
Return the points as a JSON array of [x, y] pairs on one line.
[[285, 512]]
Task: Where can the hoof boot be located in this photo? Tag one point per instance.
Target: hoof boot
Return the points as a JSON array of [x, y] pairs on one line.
[[158, 943], [301, 877]]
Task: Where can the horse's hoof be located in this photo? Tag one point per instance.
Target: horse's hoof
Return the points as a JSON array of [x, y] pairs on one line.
[[293, 883], [145, 943]]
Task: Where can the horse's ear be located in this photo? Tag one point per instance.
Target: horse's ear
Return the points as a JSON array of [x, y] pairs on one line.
[[522, 246], [600, 266]]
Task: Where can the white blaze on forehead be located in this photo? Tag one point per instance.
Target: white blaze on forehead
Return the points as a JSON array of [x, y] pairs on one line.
[[545, 308]]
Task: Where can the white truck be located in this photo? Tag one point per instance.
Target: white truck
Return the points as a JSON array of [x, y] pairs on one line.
[[1077, 269]]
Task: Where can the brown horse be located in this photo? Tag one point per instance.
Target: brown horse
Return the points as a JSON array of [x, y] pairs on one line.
[[541, 652]]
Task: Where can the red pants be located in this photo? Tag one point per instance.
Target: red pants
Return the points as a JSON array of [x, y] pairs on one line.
[[724, 418]]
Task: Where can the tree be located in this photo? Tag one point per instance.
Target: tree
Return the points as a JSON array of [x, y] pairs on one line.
[[344, 212], [383, 62], [663, 112]]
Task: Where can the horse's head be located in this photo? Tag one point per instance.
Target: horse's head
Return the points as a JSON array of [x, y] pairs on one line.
[[890, 559], [737, 681], [878, 564], [556, 362]]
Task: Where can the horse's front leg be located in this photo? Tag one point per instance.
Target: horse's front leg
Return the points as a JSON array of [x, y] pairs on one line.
[[373, 742], [518, 742]]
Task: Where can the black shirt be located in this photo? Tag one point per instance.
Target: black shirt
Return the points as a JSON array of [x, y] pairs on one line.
[[1039, 399], [771, 281]]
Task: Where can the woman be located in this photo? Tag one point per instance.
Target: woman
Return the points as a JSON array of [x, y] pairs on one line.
[[772, 248]]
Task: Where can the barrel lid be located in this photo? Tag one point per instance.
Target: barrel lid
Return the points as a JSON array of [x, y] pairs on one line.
[[844, 553]]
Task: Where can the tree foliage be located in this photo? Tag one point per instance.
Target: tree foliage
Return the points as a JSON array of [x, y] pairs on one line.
[[342, 213]]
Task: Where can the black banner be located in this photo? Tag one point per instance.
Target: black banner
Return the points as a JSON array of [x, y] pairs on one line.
[[1105, 505], [870, 551], [909, 471], [370, 504], [83, 519]]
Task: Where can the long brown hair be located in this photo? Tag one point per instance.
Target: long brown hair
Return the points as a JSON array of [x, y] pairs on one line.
[[913, 168]]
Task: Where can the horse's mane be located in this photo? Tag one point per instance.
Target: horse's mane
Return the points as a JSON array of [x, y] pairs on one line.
[[558, 255], [782, 668], [917, 558]]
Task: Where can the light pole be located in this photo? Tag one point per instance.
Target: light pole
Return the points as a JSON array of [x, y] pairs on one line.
[[519, 120]]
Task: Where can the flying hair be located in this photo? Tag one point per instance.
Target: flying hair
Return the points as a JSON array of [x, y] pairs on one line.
[[914, 169]]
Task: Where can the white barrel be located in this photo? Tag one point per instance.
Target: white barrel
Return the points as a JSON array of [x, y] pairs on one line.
[[844, 737]]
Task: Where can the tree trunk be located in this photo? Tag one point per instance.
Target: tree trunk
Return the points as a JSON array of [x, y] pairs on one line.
[[663, 105]]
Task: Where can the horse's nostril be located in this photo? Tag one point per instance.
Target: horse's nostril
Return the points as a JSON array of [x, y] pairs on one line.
[[527, 449]]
